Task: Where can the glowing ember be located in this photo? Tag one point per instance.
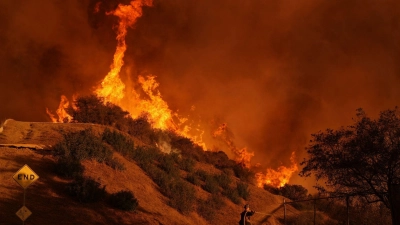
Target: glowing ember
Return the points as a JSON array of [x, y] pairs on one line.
[[279, 177]]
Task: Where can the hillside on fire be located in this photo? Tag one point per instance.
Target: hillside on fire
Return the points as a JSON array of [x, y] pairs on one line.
[[183, 111], [162, 178]]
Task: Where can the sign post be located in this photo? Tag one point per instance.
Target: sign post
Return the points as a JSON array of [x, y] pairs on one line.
[[25, 177]]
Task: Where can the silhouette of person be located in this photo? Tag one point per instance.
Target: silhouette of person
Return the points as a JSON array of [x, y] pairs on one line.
[[245, 215]]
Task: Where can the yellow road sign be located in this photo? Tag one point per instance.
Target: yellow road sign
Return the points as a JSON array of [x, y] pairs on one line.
[[23, 213], [25, 176]]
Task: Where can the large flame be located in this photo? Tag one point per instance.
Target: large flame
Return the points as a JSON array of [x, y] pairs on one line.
[[279, 177], [112, 89]]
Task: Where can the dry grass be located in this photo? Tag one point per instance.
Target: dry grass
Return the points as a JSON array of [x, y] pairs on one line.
[[49, 204]]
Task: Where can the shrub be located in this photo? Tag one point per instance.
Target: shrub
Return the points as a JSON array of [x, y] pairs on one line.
[[219, 159], [160, 177], [119, 142], [92, 109], [223, 180], [192, 178], [146, 155], [68, 168], [141, 128], [123, 200], [187, 164], [180, 193], [167, 163], [82, 145], [294, 192], [182, 196], [86, 190], [243, 173], [202, 174], [187, 147], [115, 164], [211, 185], [232, 194], [272, 189], [243, 190]]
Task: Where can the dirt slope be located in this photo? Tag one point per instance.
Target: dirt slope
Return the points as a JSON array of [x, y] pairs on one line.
[[49, 205]]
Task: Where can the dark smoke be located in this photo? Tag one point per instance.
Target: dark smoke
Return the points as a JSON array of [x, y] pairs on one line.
[[274, 71]]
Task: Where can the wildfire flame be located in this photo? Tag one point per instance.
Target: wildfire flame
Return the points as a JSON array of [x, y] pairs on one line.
[[61, 112], [279, 177], [112, 89], [242, 155]]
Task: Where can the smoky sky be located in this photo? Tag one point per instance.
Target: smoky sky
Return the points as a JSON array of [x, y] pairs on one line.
[[274, 71]]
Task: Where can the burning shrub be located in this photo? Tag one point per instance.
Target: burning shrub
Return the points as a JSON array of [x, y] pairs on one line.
[[86, 190], [243, 173], [243, 190], [219, 159], [123, 200], [92, 109], [141, 128], [187, 148]]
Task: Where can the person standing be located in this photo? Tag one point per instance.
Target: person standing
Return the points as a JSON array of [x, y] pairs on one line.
[[245, 215]]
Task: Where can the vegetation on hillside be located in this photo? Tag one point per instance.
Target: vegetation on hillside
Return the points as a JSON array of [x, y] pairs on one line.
[[174, 171]]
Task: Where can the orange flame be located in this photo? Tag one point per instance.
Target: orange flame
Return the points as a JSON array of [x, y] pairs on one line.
[[113, 89], [242, 155], [277, 178], [63, 116]]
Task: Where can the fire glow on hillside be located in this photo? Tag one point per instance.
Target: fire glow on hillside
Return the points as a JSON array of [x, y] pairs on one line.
[[112, 89]]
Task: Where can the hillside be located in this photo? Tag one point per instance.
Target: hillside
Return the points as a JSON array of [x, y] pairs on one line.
[[29, 142]]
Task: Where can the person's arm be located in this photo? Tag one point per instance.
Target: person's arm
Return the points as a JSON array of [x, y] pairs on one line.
[[251, 213]]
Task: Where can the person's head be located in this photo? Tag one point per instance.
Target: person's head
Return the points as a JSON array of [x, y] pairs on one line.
[[247, 207]]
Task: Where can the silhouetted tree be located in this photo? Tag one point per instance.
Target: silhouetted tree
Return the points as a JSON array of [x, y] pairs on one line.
[[362, 159], [294, 192]]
